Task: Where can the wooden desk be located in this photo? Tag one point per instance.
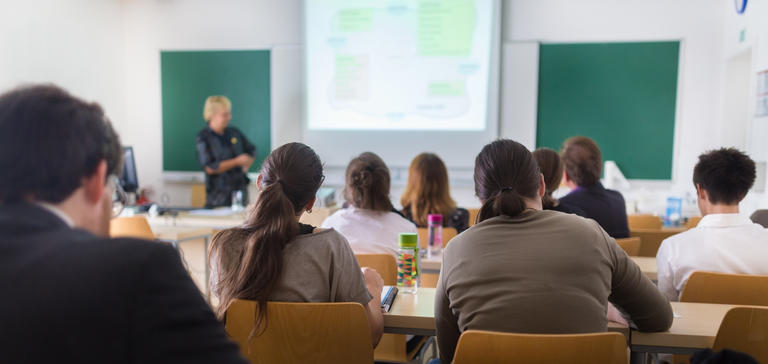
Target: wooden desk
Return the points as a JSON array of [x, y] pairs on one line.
[[415, 314], [647, 266], [186, 219], [412, 313], [694, 328]]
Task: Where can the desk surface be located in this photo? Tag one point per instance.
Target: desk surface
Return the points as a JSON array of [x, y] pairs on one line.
[[647, 265], [415, 314], [694, 327], [179, 232]]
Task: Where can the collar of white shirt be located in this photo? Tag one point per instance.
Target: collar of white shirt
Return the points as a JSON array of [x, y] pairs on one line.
[[724, 220], [56, 211]]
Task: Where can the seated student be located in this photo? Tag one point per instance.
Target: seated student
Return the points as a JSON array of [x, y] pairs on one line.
[[724, 241], [551, 168], [523, 269], [428, 192], [583, 165], [369, 222], [273, 257], [70, 293]]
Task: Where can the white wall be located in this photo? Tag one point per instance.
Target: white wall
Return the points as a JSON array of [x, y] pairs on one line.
[[75, 44], [108, 51]]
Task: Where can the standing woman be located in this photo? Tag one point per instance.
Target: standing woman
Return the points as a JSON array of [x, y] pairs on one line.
[[224, 153], [428, 192], [551, 168], [369, 221], [273, 257]]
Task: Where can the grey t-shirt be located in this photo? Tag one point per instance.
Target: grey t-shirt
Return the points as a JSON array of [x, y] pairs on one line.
[[540, 272], [317, 267]]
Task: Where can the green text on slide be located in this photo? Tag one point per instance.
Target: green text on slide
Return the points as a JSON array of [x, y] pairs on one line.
[[446, 27]]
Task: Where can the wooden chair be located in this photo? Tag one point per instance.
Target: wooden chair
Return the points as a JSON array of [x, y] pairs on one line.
[[473, 215], [745, 329], [643, 221], [391, 348], [650, 239], [448, 234], [197, 196], [479, 347], [631, 246], [723, 288], [316, 333], [131, 226], [692, 222], [385, 264], [317, 216]]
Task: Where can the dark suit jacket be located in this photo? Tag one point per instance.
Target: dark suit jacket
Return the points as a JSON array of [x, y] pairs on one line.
[[71, 297], [604, 206]]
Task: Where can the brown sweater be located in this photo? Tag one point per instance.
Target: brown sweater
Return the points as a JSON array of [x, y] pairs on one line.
[[540, 272]]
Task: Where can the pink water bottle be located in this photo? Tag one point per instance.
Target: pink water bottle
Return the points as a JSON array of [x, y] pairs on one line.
[[435, 238]]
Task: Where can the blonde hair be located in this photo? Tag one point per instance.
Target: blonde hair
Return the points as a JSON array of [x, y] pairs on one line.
[[210, 106], [428, 191]]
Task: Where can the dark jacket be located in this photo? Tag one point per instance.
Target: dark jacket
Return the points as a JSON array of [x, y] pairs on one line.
[[604, 206], [71, 297], [212, 149]]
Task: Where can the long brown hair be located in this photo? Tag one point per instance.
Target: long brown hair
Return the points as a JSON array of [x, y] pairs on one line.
[[290, 178], [428, 190], [367, 185], [552, 169], [505, 174]]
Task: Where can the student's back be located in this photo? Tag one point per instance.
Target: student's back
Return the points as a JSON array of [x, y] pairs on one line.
[[273, 257], [522, 269], [605, 206], [583, 164], [369, 221], [70, 297], [70, 294]]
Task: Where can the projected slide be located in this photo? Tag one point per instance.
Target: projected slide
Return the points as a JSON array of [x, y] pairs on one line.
[[397, 65]]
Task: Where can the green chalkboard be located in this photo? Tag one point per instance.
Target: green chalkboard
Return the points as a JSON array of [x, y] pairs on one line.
[[188, 78], [622, 95]]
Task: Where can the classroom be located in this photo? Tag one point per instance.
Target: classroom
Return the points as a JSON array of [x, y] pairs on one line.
[[384, 181]]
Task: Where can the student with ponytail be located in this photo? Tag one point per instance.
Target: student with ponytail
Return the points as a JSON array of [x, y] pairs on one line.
[[369, 221], [527, 270], [273, 257]]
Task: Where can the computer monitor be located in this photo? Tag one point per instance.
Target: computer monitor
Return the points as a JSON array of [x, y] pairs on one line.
[[129, 180]]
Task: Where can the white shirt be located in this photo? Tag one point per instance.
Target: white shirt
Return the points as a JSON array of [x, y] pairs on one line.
[[56, 211], [723, 243], [368, 231]]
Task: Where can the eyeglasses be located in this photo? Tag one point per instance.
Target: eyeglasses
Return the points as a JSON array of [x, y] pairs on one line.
[[118, 196]]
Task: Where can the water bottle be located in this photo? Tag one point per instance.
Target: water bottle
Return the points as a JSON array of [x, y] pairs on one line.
[[673, 215], [408, 263], [435, 237]]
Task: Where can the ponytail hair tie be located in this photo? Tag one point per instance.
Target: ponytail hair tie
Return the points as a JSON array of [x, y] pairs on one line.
[[504, 189]]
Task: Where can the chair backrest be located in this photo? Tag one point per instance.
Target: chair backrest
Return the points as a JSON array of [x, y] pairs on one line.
[[131, 226], [385, 264], [650, 240], [473, 215], [479, 347], [197, 196], [731, 289], [317, 216], [692, 222], [643, 221], [631, 246], [448, 234], [745, 329], [316, 333]]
